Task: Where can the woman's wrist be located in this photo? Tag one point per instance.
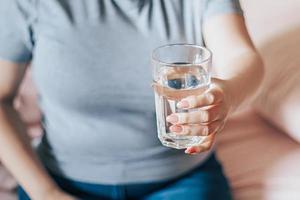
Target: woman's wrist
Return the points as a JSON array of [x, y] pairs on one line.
[[237, 92], [230, 97]]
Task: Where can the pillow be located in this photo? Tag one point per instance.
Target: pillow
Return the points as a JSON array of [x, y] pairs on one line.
[[279, 97], [261, 162]]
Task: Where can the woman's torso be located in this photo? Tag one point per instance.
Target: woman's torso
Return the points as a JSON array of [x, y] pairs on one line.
[[91, 65]]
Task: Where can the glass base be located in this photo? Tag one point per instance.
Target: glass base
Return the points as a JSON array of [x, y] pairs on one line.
[[181, 142]]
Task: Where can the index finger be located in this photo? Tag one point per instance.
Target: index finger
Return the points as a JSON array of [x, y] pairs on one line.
[[211, 97]]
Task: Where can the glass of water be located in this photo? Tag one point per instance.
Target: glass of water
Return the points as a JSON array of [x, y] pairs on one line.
[[179, 70]]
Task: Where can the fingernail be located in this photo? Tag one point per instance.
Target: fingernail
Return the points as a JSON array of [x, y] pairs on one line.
[[190, 150], [177, 129], [183, 104], [172, 118]]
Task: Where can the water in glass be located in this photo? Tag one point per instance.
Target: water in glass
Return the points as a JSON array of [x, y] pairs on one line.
[[173, 84]]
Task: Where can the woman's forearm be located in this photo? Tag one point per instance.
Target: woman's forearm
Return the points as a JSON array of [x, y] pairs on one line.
[[18, 156], [243, 77], [235, 58]]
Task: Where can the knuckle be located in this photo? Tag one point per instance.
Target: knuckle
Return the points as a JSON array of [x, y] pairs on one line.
[[186, 117], [205, 115], [186, 130], [205, 130], [210, 98], [192, 100], [195, 130], [183, 117]]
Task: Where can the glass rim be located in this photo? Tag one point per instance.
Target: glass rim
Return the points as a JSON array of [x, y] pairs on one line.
[[155, 59]]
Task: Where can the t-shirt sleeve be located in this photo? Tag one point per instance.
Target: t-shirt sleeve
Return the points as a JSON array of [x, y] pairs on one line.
[[216, 7], [15, 30]]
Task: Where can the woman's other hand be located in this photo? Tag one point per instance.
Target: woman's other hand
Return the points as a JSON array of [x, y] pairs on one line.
[[26, 104]]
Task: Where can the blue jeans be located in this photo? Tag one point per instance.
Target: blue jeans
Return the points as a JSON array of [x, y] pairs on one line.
[[206, 182]]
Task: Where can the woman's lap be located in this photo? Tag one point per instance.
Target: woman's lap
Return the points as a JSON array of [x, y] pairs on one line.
[[206, 182]]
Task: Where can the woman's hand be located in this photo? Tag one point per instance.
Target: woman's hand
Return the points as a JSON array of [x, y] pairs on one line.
[[208, 119]]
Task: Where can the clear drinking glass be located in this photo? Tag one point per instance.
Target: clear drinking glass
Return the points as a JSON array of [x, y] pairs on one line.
[[179, 70]]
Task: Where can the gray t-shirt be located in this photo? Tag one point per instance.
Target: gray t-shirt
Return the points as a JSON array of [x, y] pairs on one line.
[[91, 65]]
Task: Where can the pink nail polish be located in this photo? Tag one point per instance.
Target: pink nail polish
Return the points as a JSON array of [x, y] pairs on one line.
[[172, 118], [193, 150], [190, 150]]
